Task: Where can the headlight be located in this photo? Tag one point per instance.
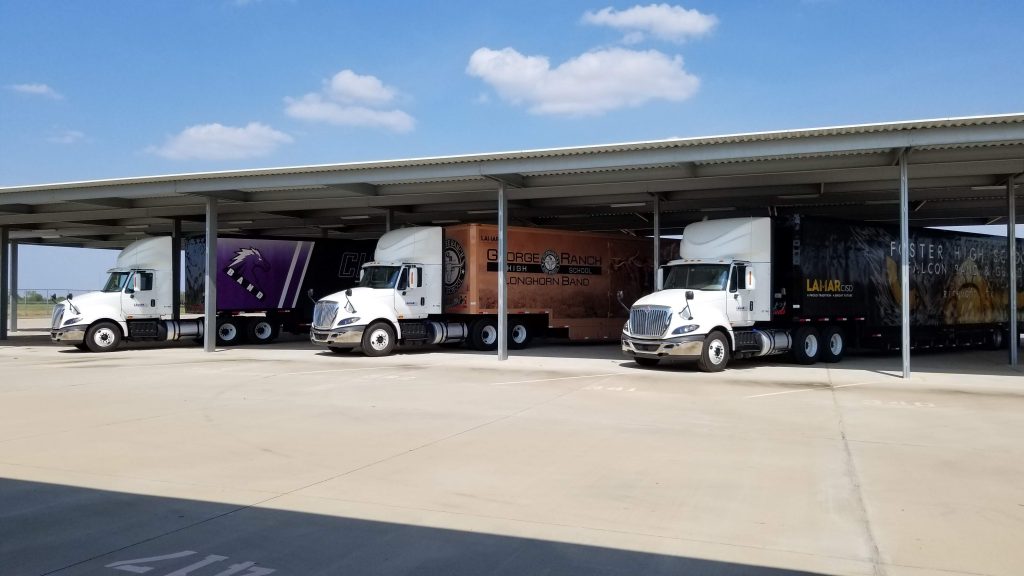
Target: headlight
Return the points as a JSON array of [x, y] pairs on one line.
[[685, 329], [625, 327], [71, 321], [349, 320]]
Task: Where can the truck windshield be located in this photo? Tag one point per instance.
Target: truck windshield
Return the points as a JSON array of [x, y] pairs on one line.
[[116, 282], [379, 276], [697, 277]]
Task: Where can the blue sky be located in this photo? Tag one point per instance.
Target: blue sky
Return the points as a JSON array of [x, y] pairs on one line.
[[121, 88]]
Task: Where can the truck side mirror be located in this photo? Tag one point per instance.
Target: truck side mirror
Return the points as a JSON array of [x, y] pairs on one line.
[[689, 294], [750, 278], [309, 294], [70, 295]]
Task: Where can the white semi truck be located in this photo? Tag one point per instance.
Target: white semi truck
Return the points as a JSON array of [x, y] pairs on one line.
[[747, 287], [264, 285], [432, 285]]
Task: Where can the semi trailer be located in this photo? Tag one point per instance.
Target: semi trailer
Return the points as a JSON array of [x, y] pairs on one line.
[[264, 285], [748, 287], [434, 285]]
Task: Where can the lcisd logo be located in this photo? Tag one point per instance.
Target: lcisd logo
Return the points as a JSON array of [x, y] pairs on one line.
[[454, 266]]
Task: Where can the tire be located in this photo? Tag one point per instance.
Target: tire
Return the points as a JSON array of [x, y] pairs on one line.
[[103, 337], [997, 340], [714, 355], [229, 331], [806, 345], [646, 361], [519, 335], [337, 350], [484, 334], [379, 339], [833, 344], [261, 330]]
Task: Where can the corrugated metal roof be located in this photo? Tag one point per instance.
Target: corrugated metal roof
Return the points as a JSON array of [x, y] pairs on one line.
[[768, 136]]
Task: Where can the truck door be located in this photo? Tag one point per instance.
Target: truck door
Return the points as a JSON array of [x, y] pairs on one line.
[[740, 302], [139, 299], [410, 294]]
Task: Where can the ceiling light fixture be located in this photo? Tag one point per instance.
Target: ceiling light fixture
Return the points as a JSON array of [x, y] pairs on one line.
[[628, 205], [481, 211], [362, 217], [722, 209], [444, 221]]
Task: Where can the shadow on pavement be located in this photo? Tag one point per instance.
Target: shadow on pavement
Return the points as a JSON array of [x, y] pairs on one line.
[[55, 529]]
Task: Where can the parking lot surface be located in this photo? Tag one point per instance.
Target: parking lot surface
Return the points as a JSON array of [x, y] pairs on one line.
[[287, 459]]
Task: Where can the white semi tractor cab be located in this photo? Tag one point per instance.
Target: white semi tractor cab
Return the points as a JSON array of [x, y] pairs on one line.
[[135, 303]]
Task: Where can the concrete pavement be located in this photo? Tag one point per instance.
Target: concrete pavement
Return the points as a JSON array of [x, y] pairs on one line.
[[563, 460]]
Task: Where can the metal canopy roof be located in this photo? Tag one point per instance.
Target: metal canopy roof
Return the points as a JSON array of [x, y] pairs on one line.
[[958, 170]]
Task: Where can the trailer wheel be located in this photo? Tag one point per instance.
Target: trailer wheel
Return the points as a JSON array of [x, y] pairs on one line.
[[229, 331], [484, 334], [261, 330], [379, 339], [103, 337], [997, 340], [519, 335], [714, 355], [833, 344], [806, 345]]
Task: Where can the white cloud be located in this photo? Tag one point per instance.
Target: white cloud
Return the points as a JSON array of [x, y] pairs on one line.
[[672, 23], [350, 99], [36, 90], [67, 137], [219, 142], [590, 84]]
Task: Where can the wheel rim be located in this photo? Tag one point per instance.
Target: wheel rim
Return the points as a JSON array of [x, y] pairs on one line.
[[489, 335], [835, 344], [811, 345], [104, 337], [519, 333], [716, 352], [263, 330], [227, 332], [379, 339]]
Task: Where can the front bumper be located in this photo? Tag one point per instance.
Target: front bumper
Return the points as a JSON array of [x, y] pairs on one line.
[[688, 346], [69, 334], [344, 337]]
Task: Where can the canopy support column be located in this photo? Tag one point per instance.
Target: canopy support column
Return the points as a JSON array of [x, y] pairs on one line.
[[657, 242], [176, 269], [1011, 237], [5, 293], [14, 287], [905, 262], [210, 303], [502, 272], [389, 215]]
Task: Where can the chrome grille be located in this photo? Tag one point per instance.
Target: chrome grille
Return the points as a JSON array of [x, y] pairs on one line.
[[649, 321], [58, 315], [324, 313]]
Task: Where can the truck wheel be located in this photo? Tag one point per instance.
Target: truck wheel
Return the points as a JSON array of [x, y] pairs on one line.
[[261, 331], [646, 361], [484, 334], [103, 337], [714, 355], [997, 340], [229, 331], [379, 339], [833, 344], [519, 335], [806, 345]]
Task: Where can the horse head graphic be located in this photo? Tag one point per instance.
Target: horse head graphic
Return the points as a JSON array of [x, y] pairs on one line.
[[243, 270]]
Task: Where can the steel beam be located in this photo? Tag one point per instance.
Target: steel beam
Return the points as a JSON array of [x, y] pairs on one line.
[[905, 263], [1011, 237], [502, 272], [14, 286], [210, 304], [176, 269], [389, 216], [5, 293]]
